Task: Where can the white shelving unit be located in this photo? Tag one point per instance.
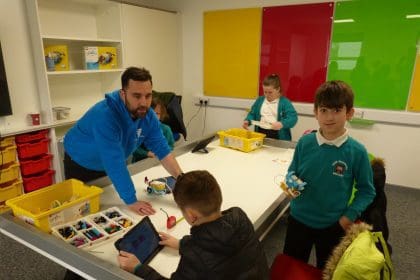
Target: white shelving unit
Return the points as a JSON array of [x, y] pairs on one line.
[[76, 24]]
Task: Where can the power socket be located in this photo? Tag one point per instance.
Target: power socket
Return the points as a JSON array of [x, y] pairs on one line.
[[203, 100]]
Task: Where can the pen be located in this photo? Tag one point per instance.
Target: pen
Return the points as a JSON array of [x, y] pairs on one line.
[[180, 219]]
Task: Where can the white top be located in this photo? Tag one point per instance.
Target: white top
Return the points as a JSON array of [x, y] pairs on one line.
[[269, 111]]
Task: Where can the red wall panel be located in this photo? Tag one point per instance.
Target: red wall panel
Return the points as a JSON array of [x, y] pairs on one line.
[[295, 43]]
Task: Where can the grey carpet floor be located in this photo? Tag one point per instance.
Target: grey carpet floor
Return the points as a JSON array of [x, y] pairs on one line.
[[19, 262]]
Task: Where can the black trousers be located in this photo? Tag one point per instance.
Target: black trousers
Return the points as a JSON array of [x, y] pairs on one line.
[[300, 239], [73, 170]]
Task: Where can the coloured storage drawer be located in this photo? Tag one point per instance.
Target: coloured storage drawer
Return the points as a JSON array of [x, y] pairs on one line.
[[56, 204], [32, 136], [9, 173], [37, 181], [7, 155], [35, 165], [241, 139], [8, 191], [32, 149], [7, 141]]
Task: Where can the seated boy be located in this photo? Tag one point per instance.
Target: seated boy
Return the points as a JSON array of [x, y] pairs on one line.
[[221, 244]]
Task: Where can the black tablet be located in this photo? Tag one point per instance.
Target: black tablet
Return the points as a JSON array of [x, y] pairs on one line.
[[142, 240], [201, 146]]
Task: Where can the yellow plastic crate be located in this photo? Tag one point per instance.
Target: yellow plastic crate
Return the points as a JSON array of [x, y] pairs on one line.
[[8, 191], [9, 173], [8, 154], [7, 141], [56, 204], [241, 139]]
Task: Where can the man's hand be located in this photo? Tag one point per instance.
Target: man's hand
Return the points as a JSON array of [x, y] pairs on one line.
[[276, 125], [169, 240], [345, 222], [143, 208], [128, 261]]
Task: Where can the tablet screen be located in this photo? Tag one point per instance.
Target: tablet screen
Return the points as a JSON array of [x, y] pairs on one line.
[[142, 241], [169, 181]]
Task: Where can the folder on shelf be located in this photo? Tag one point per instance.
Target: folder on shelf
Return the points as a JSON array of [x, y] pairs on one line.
[[99, 58], [57, 54]]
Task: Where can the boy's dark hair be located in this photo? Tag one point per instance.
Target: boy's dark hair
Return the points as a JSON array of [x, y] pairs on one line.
[[334, 94], [163, 111], [135, 74], [198, 190], [272, 80]]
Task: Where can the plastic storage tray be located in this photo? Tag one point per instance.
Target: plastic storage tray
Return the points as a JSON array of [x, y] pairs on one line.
[[7, 141], [56, 204], [9, 173], [32, 149], [37, 181], [94, 228], [7, 155], [35, 165], [241, 139], [8, 191], [32, 136]]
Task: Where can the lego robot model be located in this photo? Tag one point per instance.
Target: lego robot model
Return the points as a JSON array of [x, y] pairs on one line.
[[293, 186]]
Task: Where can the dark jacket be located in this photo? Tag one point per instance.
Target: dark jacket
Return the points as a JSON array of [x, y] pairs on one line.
[[226, 248], [375, 213]]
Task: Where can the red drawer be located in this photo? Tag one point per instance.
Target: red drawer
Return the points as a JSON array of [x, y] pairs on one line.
[[32, 136], [35, 165], [33, 149], [37, 181]]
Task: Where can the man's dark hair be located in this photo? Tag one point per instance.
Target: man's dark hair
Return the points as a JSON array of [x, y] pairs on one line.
[[334, 94], [135, 74], [198, 190]]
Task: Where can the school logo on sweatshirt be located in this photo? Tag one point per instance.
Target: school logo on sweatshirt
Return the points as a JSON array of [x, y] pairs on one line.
[[339, 168], [138, 133]]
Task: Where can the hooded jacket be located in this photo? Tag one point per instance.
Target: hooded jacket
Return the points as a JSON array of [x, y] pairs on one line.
[[226, 248], [106, 135]]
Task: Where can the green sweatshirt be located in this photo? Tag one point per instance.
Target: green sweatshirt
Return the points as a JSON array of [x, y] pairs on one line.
[[330, 173]]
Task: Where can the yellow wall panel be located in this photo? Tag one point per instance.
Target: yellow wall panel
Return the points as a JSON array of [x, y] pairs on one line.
[[231, 52], [414, 100]]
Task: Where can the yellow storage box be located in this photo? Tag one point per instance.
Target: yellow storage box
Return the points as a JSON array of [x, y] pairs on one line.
[[7, 141], [241, 139], [56, 204], [8, 191], [7, 155], [9, 172]]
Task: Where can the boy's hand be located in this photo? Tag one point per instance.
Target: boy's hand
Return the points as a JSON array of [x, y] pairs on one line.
[[169, 240], [142, 208], [128, 261], [245, 124], [345, 222], [276, 125]]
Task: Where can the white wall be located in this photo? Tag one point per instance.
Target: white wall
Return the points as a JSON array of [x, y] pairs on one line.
[[19, 66], [397, 144]]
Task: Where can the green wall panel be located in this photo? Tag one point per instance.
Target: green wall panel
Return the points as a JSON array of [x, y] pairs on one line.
[[373, 48]]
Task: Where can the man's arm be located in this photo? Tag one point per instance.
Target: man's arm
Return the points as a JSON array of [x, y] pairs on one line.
[[171, 165]]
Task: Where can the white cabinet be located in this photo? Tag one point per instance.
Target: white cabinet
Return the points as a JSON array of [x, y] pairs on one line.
[[75, 24]]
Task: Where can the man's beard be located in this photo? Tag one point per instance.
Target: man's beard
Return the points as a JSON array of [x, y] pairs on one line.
[[135, 113]]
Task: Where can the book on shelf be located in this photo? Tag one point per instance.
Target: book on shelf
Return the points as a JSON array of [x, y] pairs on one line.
[[56, 58], [100, 58]]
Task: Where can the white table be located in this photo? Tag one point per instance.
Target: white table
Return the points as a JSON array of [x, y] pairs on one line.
[[248, 180]]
